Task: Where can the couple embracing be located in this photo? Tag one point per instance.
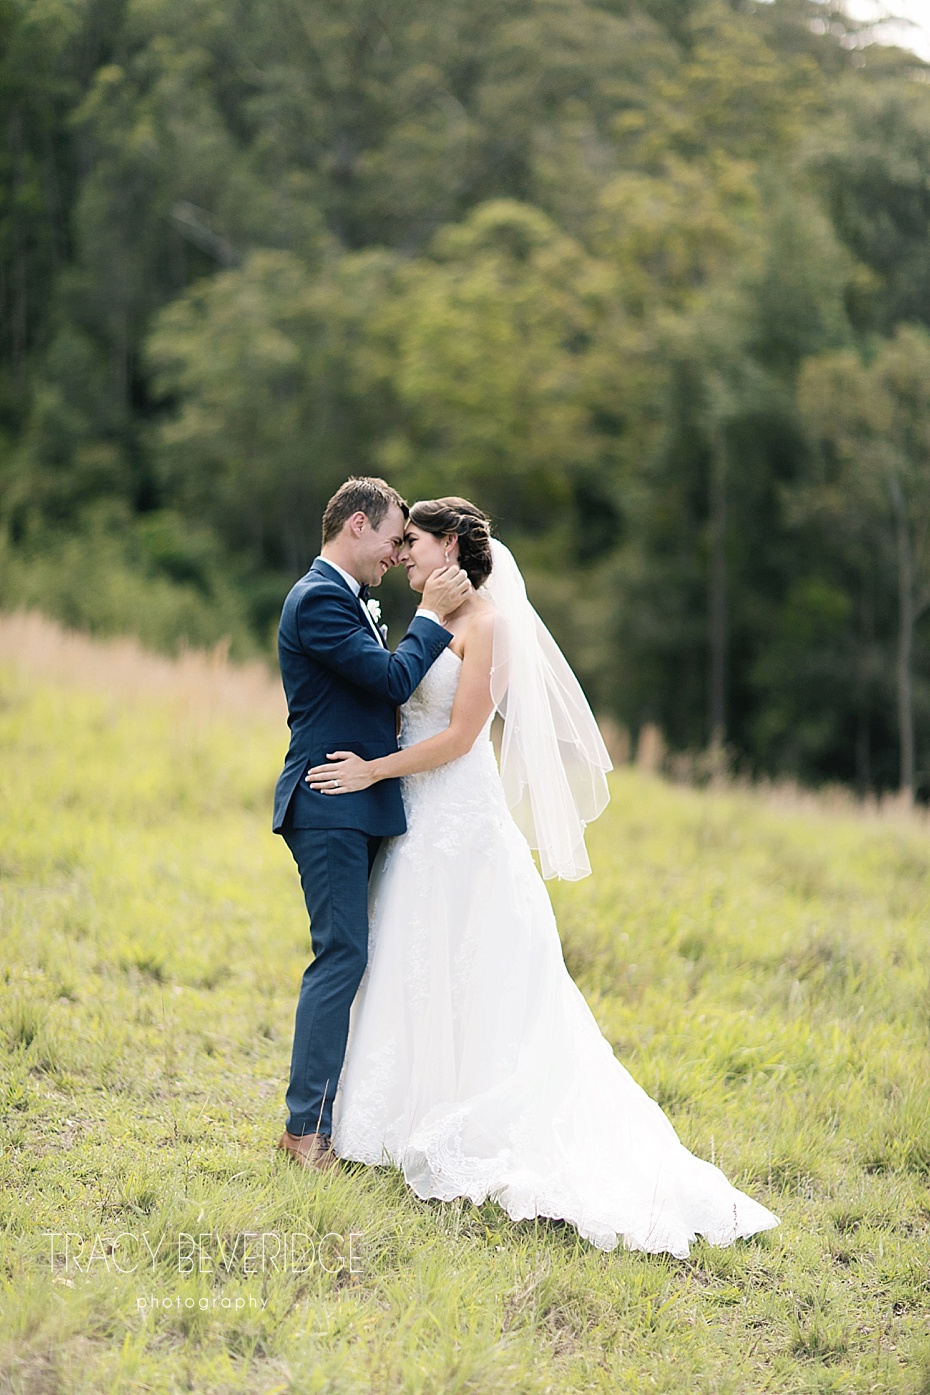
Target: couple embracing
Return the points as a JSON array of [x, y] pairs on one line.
[[438, 1029]]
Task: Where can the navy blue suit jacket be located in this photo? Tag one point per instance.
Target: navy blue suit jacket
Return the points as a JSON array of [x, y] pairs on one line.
[[343, 689]]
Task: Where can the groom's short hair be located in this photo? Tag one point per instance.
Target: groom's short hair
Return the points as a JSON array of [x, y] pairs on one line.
[[361, 494]]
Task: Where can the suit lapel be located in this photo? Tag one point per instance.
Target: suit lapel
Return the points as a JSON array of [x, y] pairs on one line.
[[320, 567]]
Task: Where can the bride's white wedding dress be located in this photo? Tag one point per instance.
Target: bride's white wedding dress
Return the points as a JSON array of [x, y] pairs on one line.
[[474, 1062]]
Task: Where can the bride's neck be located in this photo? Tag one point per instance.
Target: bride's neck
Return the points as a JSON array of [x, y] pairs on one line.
[[470, 604]]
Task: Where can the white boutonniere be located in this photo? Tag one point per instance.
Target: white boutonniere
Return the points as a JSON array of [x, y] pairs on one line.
[[374, 609]]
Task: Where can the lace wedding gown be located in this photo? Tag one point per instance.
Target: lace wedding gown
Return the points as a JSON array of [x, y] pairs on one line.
[[474, 1062]]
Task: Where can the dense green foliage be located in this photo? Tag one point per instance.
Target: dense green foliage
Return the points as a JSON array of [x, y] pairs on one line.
[[648, 279], [759, 966]]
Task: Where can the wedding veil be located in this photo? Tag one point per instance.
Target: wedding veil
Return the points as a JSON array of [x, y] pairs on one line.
[[553, 761]]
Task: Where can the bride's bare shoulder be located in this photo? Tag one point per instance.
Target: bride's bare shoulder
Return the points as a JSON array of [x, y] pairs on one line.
[[480, 625]]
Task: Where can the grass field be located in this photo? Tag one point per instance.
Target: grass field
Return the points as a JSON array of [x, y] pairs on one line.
[[758, 963]]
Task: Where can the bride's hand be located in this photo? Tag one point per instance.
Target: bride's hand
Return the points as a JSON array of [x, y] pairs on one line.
[[345, 774]]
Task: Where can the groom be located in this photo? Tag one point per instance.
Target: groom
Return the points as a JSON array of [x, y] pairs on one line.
[[343, 687]]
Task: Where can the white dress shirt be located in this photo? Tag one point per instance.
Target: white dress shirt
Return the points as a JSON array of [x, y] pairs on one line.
[[356, 587]]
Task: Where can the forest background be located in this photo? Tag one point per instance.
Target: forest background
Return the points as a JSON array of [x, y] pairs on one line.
[[649, 280]]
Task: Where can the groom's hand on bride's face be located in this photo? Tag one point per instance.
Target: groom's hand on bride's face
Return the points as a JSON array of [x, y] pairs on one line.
[[445, 590]]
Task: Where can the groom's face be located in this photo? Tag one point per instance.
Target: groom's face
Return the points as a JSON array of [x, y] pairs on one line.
[[379, 548]]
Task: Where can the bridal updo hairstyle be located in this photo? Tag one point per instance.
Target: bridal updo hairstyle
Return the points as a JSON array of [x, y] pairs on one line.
[[442, 517]]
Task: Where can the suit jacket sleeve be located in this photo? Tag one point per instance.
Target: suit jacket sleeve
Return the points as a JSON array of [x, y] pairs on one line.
[[332, 631]]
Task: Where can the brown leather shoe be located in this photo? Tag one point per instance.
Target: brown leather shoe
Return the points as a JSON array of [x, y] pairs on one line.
[[312, 1150]]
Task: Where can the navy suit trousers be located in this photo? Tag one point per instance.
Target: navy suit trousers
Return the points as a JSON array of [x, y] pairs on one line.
[[334, 866]]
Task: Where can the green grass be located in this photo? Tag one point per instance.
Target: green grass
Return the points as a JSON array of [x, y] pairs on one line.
[[758, 967]]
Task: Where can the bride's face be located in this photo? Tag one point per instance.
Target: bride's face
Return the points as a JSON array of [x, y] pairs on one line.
[[423, 552]]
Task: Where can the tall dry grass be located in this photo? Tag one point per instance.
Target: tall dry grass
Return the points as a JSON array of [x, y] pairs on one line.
[[201, 683], [204, 684]]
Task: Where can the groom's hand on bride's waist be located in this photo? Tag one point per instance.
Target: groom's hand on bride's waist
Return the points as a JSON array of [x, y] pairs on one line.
[[445, 590]]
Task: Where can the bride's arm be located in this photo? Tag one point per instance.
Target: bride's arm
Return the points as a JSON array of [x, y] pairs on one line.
[[470, 710]]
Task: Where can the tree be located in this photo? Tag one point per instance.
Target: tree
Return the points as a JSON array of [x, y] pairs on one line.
[[49, 50], [872, 422], [871, 162], [257, 366], [484, 349]]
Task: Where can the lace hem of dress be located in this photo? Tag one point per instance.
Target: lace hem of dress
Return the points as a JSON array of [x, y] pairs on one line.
[[437, 1169]]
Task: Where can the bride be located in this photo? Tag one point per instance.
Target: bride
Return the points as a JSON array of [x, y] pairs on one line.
[[474, 1063]]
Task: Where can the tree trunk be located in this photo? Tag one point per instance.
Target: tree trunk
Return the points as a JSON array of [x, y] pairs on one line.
[[717, 591], [19, 326], [905, 639], [864, 693]]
